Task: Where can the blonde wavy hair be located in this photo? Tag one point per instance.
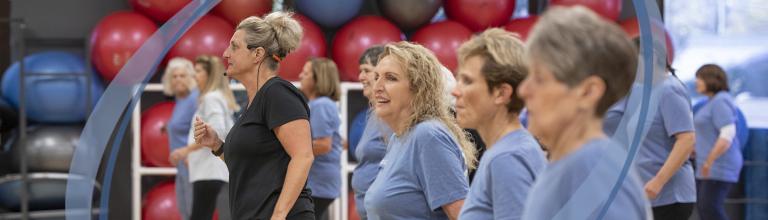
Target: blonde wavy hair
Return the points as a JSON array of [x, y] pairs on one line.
[[426, 84], [326, 76]]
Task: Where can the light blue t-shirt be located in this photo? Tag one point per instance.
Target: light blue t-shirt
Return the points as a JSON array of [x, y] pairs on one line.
[[325, 175], [505, 175], [370, 151], [422, 171], [178, 130], [578, 185], [717, 113], [672, 117]]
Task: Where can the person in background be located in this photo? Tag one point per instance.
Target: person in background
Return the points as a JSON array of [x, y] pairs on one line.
[[662, 159], [216, 105], [491, 67], [269, 149], [372, 146], [422, 175], [320, 84], [179, 81], [718, 156], [580, 65]]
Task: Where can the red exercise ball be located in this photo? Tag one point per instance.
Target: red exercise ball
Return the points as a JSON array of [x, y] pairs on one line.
[[237, 10], [355, 37], [522, 26], [633, 30], [115, 38], [312, 45], [209, 36], [160, 203], [154, 137], [159, 10], [609, 9], [443, 39], [478, 15]]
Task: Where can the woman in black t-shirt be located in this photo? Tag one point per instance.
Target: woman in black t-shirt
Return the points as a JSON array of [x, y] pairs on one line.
[[269, 149]]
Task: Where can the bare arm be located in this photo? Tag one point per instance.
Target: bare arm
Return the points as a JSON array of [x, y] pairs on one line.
[[453, 209], [321, 146], [297, 142], [681, 151], [721, 146]]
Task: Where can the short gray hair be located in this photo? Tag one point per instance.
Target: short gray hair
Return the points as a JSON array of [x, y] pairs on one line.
[[178, 63], [575, 43]]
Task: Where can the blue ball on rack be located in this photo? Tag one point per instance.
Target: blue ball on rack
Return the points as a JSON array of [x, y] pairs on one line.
[[55, 97]]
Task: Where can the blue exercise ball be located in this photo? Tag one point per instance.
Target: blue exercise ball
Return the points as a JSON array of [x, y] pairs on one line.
[[329, 13], [52, 98]]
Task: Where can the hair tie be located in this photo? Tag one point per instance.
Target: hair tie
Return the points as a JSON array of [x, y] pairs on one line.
[[277, 58]]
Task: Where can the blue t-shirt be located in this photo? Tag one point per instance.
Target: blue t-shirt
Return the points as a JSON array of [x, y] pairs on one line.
[[369, 152], [506, 173], [672, 117], [578, 185], [179, 124], [717, 113], [422, 171], [325, 175]]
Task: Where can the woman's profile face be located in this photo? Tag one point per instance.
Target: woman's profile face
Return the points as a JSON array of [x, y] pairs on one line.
[[551, 103]]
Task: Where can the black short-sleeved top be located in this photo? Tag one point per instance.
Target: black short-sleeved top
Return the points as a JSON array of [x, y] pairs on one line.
[[256, 159]]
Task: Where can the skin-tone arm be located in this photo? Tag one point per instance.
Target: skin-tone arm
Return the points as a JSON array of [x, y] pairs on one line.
[[297, 142], [681, 150], [453, 209], [721, 146], [321, 146]]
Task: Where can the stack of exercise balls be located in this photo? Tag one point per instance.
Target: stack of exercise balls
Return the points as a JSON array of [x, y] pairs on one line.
[[56, 101]]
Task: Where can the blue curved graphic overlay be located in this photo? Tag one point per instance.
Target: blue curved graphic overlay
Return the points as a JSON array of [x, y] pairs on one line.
[[115, 105], [592, 199]]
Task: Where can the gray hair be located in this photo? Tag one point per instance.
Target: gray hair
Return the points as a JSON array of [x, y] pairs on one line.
[[575, 43], [178, 63]]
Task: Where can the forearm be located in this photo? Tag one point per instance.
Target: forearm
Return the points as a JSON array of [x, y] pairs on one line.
[[453, 209], [321, 146], [721, 146], [295, 179], [681, 151]]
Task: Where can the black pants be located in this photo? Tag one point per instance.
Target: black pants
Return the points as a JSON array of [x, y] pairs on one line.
[[321, 207], [204, 194], [711, 199], [673, 211]]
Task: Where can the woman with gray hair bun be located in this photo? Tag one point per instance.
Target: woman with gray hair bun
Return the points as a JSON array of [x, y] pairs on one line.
[[422, 175], [580, 64], [268, 151]]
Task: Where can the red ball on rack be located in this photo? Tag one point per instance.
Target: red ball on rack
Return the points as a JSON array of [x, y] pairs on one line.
[[115, 38], [154, 135], [355, 37], [160, 203], [443, 39]]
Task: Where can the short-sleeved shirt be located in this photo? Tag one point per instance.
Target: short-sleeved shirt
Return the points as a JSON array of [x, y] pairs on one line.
[[422, 171], [717, 113], [256, 159], [203, 165], [370, 151], [674, 116], [566, 182], [325, 175], [505, 175], [179, 124]]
